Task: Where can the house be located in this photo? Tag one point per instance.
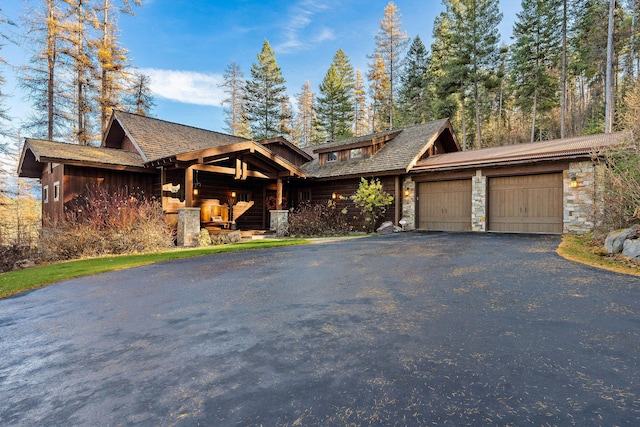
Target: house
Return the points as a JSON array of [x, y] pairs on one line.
[[230, 181]]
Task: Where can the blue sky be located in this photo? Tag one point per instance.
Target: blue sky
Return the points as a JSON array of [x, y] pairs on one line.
[[185, 45]]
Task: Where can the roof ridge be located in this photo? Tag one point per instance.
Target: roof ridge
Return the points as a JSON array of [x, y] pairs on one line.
[[180, 124]]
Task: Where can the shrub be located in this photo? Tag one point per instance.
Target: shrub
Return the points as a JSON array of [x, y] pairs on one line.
[[372, 201], [100, 223], [318, 219], [9, 255], [622, 188]]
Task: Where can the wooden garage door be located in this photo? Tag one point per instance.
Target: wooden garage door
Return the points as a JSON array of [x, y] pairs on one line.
[[444, 205], [526, 204]]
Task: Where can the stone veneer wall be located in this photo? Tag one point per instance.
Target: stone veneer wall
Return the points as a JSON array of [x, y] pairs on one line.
[[188, 226], [409, 203], [581, 206], [479, 202]]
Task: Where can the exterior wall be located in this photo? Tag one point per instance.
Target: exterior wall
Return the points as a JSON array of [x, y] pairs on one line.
[[52, 209], [479, 202], [580, 203]]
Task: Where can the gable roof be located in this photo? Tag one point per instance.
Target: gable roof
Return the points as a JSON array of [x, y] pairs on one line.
[[398, 155], [156, 139], [38, 151], [558, 149]]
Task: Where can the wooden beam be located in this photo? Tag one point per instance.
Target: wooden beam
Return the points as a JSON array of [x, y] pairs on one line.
[[229, 171], [188, 187], [398, 199], [279, 194]]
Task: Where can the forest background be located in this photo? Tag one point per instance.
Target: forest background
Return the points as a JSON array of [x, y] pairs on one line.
[[546, 81]]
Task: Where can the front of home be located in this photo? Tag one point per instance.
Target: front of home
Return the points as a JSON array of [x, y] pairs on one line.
[[229, 182]]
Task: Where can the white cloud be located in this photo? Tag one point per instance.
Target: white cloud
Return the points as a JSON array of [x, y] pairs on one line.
[[299, 20], [188, 87]]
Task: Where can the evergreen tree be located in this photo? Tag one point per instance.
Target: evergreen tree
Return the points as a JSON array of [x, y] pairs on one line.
[[360, 115], [138, 98], [391, 41], [111, 58], [335, 101], [234, 88], [286, 119], [535, 56], [4, 117], [265, 94], [379, 91], [42, 78], [412, 97], [473, 50], [306, 119]]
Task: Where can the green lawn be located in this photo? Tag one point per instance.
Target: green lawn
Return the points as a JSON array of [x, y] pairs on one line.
[[15, 282]]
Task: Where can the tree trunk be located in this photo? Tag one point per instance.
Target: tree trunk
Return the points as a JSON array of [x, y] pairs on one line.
[[476, 95], [563, 99], [534, 112], [609, 108]]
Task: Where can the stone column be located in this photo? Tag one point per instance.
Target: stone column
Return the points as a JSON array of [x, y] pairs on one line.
[[479, 202], [279, 219], [409, 203], [188, 226], [580, 207]]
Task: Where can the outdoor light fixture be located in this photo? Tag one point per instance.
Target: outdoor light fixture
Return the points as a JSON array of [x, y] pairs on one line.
[[407, 193], [196, 185], [574, 180], [334, 196], [232, 201]]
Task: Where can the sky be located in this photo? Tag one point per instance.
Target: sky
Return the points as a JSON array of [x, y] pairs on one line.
[[185, 45]]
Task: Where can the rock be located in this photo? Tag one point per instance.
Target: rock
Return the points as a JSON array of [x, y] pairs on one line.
[[397, 229], [631, 248], [386, 227], [615, 240], [22, 264], [234, 236]]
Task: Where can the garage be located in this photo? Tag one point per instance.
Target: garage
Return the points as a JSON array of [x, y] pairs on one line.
[[526, 204], [445, 205]]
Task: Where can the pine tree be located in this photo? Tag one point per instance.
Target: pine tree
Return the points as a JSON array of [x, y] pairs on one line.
[[4, 117], [379, 88], [265, 94], [391, 41], [42, 78], [286, 128], [334, 106], [306, 119], [360, 115], [535, 57], [474, 49], [234, 88], [138, 97], [412, 97], [111, 58]]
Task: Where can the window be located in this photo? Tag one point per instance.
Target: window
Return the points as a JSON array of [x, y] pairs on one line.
[[56, 191], [243, 196], [332, 157], [355, 153], [304, 196], [45, 194]]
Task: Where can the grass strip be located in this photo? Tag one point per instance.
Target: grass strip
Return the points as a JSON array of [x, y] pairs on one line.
[[14, 282], [580, 249]]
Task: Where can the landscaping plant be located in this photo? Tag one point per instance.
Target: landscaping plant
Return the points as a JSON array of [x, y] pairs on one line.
[[372, 201], [318, 219], [100, 222]]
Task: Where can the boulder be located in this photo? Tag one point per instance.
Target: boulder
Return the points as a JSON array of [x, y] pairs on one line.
[[22, 264], [386, 227], [631, 248], [615, 240]]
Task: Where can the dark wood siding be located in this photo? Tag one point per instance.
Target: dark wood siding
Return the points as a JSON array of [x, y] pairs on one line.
[[526, 204], [52, 210], [444, 205]]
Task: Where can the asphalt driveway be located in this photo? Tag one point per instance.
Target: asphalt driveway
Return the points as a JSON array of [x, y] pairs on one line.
[[408, 329]]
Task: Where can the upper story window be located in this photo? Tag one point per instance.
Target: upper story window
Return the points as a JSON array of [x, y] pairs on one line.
[[355, 153], [45, 194], [332, 157]]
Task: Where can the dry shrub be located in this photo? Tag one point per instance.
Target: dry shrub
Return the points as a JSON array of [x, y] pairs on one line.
[[107, 223], [318, 219], [622, 188]]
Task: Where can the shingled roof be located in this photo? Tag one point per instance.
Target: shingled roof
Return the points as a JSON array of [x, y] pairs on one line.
[[157, 139], [558, 149], [398, 155], [38, 151]]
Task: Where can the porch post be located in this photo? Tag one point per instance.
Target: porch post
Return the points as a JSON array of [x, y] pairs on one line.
[[398, 200], [279, 194], [188, 187]]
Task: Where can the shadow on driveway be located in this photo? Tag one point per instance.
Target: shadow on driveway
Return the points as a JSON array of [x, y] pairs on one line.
[[408, 329]]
